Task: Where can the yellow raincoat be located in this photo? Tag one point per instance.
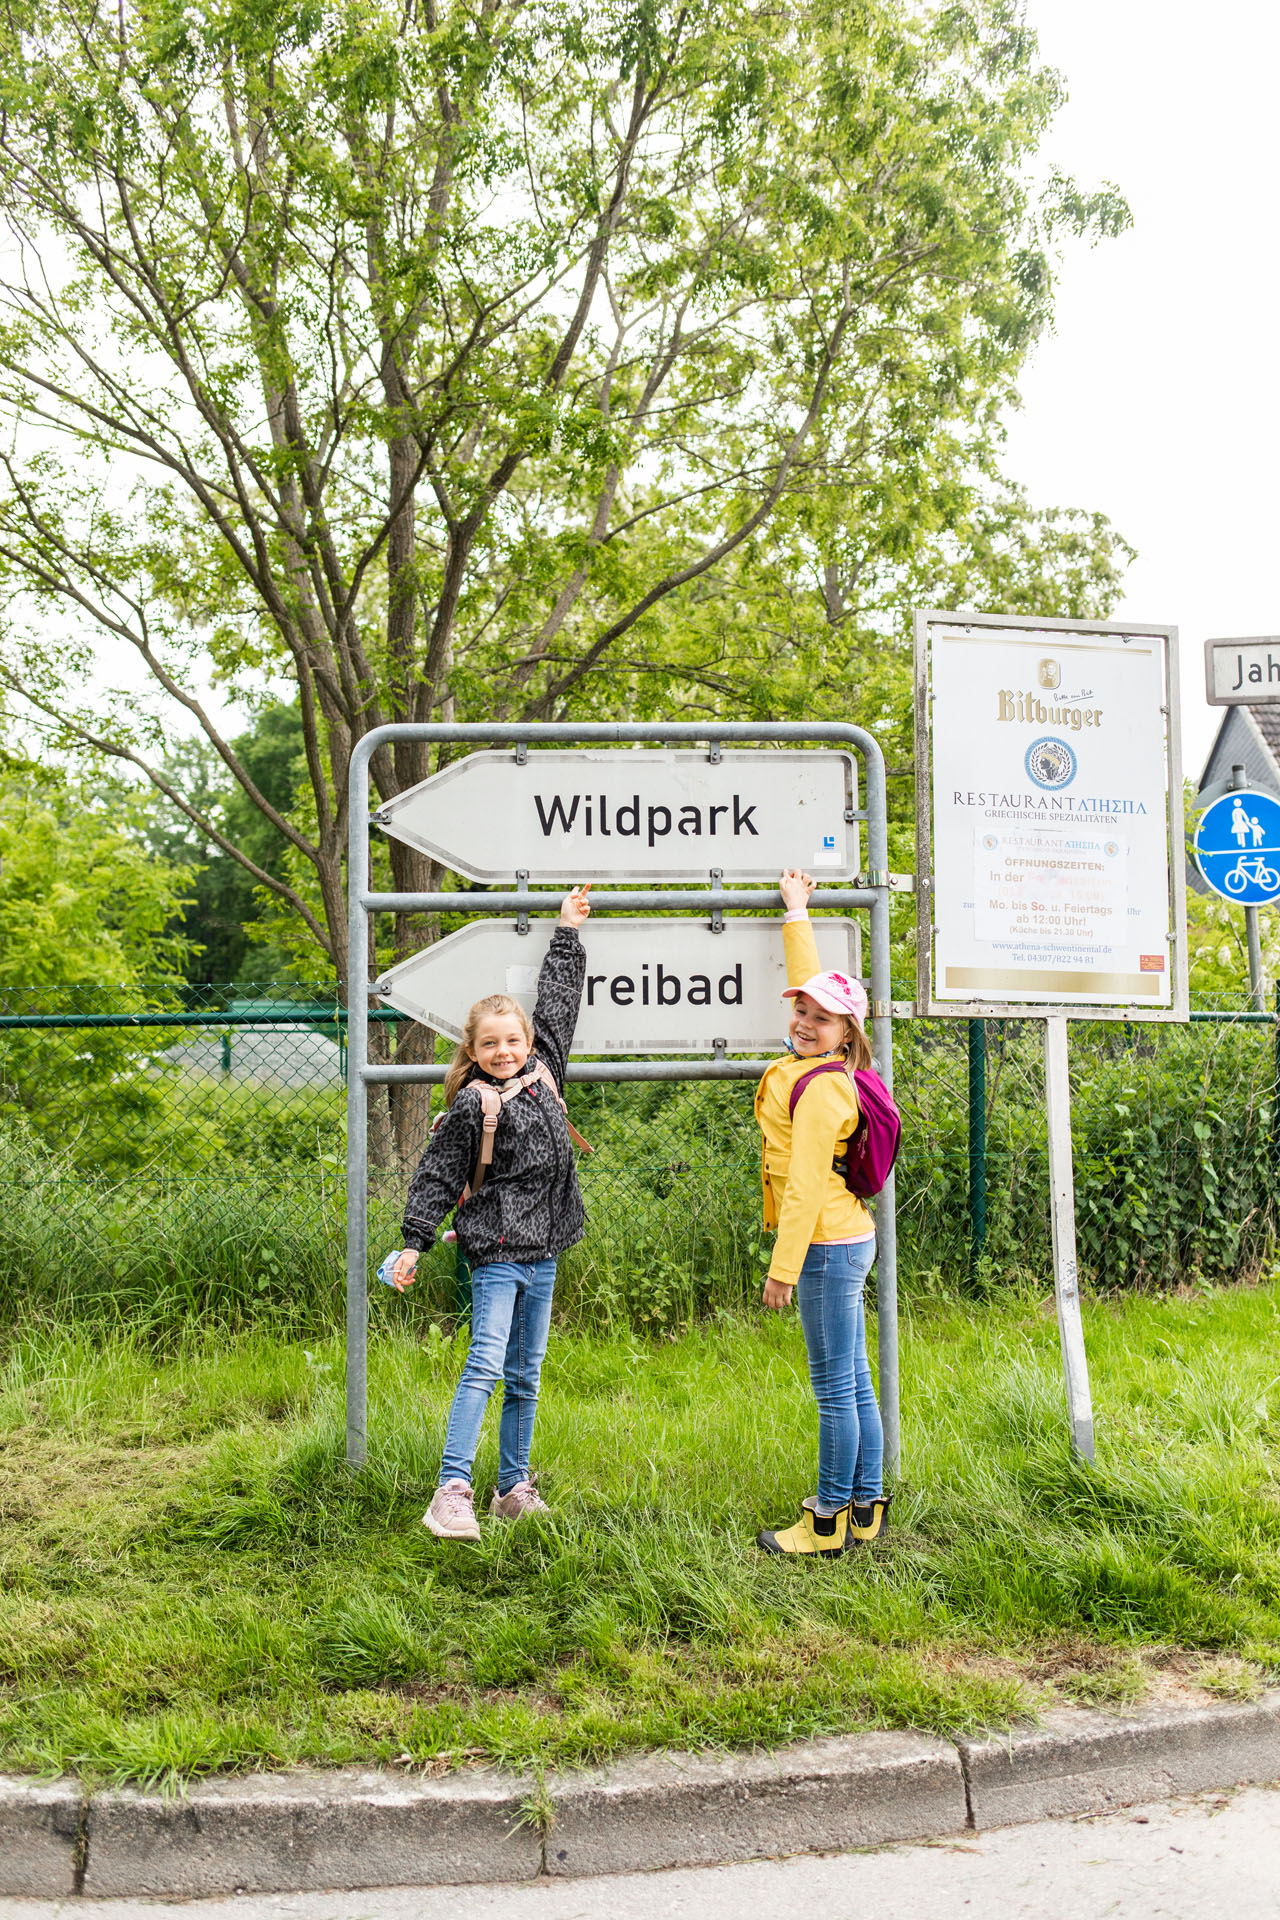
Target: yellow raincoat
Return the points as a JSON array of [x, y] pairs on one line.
[[804, 1197]]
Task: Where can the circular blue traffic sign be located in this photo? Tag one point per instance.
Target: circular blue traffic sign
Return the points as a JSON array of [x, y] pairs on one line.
[[1238, 847]]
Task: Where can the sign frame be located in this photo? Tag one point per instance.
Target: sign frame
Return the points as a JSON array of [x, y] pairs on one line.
[[1255, 697], [364, 1075], [990, 1007]]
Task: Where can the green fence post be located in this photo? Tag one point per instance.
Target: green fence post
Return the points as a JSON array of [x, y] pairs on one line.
[[977, 1142], [226, 1050]]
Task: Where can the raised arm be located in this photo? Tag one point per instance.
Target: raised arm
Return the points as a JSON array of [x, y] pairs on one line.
[[560, 986], [798, 943]]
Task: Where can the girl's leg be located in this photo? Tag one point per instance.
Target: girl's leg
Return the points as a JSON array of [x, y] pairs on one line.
[[493, 1299], [868, 1484], [829, 1299], [522, 1371]]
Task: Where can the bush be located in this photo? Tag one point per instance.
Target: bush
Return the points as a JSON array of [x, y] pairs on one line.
[[236, 1211]]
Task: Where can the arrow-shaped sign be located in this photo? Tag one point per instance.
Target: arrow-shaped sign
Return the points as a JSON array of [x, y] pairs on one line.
[[635, 813], [653, 986]]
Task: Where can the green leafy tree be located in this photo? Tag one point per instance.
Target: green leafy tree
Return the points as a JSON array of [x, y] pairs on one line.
[[440, 358], [224, 921], [83, 905]]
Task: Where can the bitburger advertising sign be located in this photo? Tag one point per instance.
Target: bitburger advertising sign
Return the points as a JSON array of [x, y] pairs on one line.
[[1049, 794]]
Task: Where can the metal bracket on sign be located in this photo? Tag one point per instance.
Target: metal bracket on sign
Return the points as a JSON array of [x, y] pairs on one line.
[[522, 753], [881, 877], [379, 818], [717, 913], [718, 1049], [713, 753], [522, 886]]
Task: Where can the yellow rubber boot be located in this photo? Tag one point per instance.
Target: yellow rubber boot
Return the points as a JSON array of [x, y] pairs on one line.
[[815, 1533], [869, 1522]]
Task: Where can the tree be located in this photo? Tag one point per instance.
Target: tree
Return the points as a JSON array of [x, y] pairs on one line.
[[223, 921], [438, 356], [83, 905]]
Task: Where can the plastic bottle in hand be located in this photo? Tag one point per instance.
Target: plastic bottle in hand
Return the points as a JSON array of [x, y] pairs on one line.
[[387, 1271]]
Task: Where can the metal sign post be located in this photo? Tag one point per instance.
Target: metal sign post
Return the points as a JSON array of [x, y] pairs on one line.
[[1062, 1201], [811, 816], [1050, 857]]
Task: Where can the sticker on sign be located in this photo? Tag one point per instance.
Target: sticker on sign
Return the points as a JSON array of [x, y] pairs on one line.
[[652, 986], [622, 813]]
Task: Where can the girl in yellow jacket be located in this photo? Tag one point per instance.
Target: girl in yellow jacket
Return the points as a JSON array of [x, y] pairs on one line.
[[825, 1237]]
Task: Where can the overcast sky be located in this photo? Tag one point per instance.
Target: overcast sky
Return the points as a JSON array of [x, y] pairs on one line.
[[1158, 398]]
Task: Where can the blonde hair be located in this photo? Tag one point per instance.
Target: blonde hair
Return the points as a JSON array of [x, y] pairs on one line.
[[857, 1047], [463, 1065]]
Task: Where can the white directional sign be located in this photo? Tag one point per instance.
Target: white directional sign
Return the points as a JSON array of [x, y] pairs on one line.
[[653, 986], [1242, 672], [635, 814]]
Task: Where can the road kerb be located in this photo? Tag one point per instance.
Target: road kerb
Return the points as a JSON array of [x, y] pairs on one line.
[[686, 1810], [1077, 1762], [302, 1832], [40, 1837], [296, 1833]]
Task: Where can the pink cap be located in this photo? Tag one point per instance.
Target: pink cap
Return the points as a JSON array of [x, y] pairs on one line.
[[836, 992]]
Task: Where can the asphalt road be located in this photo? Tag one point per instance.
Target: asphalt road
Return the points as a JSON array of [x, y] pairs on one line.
[[1213, 1857]]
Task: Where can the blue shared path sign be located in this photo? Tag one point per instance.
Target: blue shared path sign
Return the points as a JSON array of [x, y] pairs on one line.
[[1238, 847]]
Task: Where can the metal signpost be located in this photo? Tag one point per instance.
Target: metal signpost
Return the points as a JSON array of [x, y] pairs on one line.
[[685, 808], [1050, 864]]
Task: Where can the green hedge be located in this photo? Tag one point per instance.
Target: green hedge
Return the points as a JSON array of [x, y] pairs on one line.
[[1175, 1182]]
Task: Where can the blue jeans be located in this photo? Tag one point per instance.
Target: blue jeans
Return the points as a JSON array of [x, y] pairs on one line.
[[850, 1436], [510, 1321]]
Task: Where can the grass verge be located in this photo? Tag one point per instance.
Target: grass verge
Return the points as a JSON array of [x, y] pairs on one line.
[[190, 1580]]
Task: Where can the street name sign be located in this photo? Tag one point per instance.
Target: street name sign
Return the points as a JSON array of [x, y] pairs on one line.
[[663, 985], [1238, 847], [664, 814], [1047, 815], [1242, 672]]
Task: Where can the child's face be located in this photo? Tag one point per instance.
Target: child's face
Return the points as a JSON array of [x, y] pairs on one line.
[[813, 1029], [500, 1046]]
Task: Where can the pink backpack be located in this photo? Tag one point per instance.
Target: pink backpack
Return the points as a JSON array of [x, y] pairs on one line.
[[491, 1105], [868, 1159]]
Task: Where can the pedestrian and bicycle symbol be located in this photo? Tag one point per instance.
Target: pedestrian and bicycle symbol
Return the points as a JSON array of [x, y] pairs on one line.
[[1238, 847]]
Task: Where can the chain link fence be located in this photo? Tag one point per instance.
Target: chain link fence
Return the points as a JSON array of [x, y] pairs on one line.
[[178, 1152]]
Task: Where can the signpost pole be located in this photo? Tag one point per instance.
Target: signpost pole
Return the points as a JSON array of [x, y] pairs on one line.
[[1062, 1196], [358, 929], [882, 1015]]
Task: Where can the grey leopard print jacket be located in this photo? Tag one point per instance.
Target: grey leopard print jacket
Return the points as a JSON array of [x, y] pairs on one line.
[[530, 1207]]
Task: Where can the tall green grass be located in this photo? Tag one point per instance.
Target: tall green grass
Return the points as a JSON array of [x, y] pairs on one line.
[[190, 1578]]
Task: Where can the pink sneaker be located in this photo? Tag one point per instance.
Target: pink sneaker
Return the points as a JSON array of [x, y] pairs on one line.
[[521, 1499], [452, 1513]]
